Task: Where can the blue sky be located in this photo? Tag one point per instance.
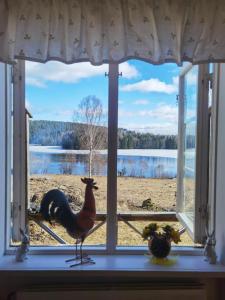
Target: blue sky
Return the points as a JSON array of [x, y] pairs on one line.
[[147, 93]]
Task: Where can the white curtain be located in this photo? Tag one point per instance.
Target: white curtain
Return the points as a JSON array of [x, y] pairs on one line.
[[101, 31]]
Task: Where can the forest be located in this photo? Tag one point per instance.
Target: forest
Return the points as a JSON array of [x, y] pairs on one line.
[[68, 136]]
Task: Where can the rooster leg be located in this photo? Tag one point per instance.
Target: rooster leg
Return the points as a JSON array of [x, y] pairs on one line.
[[83, 256], [78, 256], [76, 253], [83, 259]]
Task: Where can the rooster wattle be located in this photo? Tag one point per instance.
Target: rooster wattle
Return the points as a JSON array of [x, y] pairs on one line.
[[55, 206]]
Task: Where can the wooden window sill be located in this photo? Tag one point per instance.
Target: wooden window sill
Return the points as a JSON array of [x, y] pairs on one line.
[[114, 266]]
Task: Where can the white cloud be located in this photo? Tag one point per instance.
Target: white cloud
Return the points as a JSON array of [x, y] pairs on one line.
[[125, 113], [128, 71], [35, 82], [163, 111], [175, 81], [28, 104], [141, 102], [38, 74], [152, 85], [64, 113], [192, 77], [161, 120], [154, 127]]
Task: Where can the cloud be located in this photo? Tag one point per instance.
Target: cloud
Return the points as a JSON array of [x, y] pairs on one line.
[[35, 82], [64, 113], [128, 71], [163, 119], [192, 77], [152, 85], [163, 111], [175, 80], [56, 114], [154, 127], [28, 104], [38, 74], [141, 102], [125, 113]]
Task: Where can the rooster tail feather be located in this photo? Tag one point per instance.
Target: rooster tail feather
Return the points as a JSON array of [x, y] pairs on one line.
[[54, 205], [44, 208]]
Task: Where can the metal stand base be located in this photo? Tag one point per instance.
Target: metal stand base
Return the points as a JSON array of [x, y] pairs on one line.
[[84, 260]]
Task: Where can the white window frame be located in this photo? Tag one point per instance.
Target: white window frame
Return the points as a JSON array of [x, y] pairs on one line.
[[214, 114], [8, 148], [21, 167], [3, 151], [197, 229], [19, 156]]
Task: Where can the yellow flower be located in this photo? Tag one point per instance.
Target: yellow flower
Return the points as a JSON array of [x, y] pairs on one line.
[[175, 236], [149, 230], [167, 231]]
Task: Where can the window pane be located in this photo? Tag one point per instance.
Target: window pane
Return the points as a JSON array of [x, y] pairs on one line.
[[68, 139], [147, 148], [13, 207], [190, 123]]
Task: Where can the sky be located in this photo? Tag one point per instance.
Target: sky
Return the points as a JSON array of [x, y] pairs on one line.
[[147, 93]]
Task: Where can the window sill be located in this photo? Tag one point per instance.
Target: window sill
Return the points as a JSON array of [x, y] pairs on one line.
[[114, 266]]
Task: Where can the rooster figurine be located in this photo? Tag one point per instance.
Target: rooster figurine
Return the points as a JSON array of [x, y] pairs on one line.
[[55, 206]]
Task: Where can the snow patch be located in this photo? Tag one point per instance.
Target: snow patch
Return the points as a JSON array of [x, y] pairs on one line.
[[169, 153]]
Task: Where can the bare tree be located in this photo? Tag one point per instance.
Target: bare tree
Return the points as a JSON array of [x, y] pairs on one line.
[[92, 132]]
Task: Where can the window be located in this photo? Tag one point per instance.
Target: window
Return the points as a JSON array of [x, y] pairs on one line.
[[67, 141], [147, 151], [193, 150], [192, 174]]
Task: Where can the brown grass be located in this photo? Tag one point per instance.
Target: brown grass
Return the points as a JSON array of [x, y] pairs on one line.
[[160, 193]]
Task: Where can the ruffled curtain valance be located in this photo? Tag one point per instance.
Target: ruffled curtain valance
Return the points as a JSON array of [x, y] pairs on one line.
[[101, 31]]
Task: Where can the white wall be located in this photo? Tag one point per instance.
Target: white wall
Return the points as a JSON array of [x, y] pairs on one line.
[[2, 156], [220, 178], [11, 282]]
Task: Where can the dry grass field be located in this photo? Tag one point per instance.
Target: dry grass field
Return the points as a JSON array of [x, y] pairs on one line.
[[134, 194]]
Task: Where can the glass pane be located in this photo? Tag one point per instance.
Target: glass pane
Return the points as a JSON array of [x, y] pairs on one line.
[[67, 139], [132, 238], [190, 123], [147, 148], [9, 126]]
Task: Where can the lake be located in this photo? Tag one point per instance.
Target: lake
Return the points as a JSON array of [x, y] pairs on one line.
[[151, 163]]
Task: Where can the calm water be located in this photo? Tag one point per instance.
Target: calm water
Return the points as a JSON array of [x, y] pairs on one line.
[[127, 165]]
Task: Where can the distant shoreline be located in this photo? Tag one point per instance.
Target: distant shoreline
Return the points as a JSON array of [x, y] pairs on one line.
[[167, 153]]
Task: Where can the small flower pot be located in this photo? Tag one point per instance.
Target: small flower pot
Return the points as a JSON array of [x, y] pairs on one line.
[[159, 246]]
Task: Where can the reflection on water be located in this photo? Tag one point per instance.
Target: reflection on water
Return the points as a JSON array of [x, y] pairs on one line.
[[127, 165]]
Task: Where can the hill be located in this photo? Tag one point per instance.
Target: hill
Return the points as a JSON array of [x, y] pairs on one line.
[[66, 134]]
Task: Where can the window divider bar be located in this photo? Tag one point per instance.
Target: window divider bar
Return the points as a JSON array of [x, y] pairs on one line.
[[3, 157], [202, 151], [8, 151], [19, 151], [180, 151], [112, 228], [213, 150]]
